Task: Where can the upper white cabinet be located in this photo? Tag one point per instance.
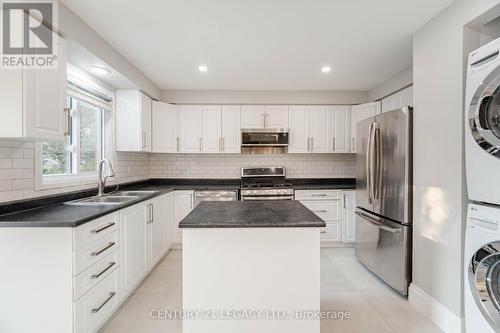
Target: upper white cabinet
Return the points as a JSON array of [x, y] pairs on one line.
[[34, 102], [230, 129], [398, 100], [133, 121], [211, 133], [191, 128], [264, 116], [309, 129], [340, 125], [165, 128], [359, 113]]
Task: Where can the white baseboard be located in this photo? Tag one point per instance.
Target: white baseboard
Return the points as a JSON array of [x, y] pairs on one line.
[[435, 311]]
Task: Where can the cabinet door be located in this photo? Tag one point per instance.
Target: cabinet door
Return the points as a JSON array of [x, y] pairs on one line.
[[406, 96], [133, 247], [211, 142], [183, 204], [398, 100], [349, 217], [340, 125], [252, 116], [146, 122], [359, 113], [44, 100], [171, 232], [165, 128], [158, 226], [230, 129], [299, 129], [319, 132], [276, 116], [191, 128], [389, 103]]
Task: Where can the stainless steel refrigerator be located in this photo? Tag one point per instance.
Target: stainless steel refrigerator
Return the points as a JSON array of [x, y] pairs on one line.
[[384, 196]]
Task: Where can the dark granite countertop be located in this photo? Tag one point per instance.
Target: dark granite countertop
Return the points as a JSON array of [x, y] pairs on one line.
[[256, 214], [50, 211]]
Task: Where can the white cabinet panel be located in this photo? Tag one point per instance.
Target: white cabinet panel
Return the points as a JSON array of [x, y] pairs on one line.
[[331, 232], [230, 129], [348, 216], [165, 128], [299, 129], [134, 253], [161, 211], [191, 128], [133, 121], [146, 105], [276, 116], [171, 232], [252, 116], [340, 125], [319, 129], [359, 113], [183, 204], [398, 100], [211, 142]]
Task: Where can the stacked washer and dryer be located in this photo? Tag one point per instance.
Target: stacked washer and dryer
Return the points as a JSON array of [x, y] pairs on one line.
[[482, 235]]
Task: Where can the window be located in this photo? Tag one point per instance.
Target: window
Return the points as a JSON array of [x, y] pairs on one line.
[[76, 159]]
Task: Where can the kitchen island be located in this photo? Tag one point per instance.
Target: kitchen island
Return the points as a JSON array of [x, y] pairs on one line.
[[251, 267]]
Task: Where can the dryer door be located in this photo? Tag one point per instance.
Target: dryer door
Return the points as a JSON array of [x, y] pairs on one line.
[[484, 280], [484, 114]]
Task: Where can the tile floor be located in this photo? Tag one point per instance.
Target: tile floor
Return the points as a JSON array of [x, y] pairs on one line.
[[345, 286]]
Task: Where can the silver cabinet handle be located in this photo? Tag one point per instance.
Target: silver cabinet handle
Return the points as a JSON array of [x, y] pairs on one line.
[[320, 211], [94, 254], [344, 197], [312, 144], [98, 275], [333, 143], [199, 143], [323, 231], [223, 144], [143, 139], [220, 144], [150, 214], [353, 145], [111, 295], [319, 195], [308, 144], [177, 143], [263, 120], [96, 231], [67, 125]]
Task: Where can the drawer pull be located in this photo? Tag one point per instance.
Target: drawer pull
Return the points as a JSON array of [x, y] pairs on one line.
[[320, 211], [96, 276], [319, 195], [323, 231], [103, 228], [102, 250], [111, 295]]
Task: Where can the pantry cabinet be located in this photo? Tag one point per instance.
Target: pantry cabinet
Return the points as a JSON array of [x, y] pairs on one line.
[[34, 102], [264, 116], [397, 100], [165, 128], [360, 113], [133, 121]]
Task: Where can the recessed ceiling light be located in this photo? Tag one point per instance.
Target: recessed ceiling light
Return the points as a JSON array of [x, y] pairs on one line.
[[202, 68], [326, 69], [99, 70]]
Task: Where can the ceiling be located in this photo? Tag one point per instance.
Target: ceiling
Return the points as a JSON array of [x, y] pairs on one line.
[[262, 44]]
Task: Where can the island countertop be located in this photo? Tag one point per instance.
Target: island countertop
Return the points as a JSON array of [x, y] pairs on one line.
[[255, 214]]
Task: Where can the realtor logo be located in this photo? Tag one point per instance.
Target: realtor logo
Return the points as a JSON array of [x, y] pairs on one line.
[[28, 37]]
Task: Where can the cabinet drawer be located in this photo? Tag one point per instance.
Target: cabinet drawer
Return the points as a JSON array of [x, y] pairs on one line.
[[95, 251], [317, 194], [324, 209], [95, 307], [91, 231], [84, 281], [331, 232]]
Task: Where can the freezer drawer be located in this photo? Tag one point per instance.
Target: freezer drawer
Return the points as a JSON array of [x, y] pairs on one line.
[[384, 247]]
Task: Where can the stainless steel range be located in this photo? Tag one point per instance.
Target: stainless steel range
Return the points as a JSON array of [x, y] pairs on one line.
[[265, 183]]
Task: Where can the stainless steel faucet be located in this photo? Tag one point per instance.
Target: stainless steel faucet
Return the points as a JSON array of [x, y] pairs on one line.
[[101, 180]]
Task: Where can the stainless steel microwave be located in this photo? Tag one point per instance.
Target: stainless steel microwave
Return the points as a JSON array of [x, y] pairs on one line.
[[264, 140]]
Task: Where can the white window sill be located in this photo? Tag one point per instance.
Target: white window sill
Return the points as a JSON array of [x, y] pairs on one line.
[[84, 181]]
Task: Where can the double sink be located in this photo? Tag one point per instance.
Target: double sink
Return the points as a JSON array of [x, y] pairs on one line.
[[117, 198]]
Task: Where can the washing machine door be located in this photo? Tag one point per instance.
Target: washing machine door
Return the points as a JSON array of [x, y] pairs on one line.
[[484, 280], [484, 114]]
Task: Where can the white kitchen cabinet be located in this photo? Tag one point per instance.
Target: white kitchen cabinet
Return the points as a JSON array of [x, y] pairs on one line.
[[348, 216], [165, 128], [211, 133], [230, 129], [191, 128], [134, 252], [183, 205], [264, 116], [34, 102], [159, 211], [397, 100], [169, 214], [309, 129], [359, 113], [133, 121], [340, 126]]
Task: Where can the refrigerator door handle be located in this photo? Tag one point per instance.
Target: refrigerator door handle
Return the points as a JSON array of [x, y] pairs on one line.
[[377, 179], [378, 224], [368, 166]]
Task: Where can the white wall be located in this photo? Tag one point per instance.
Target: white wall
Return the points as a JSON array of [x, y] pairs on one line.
[[391, 85], [439, 184], [263, 97]]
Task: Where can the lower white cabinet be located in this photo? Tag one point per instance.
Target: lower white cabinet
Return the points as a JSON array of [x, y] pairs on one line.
[[161, 215], [183, 205], [336, 208]]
